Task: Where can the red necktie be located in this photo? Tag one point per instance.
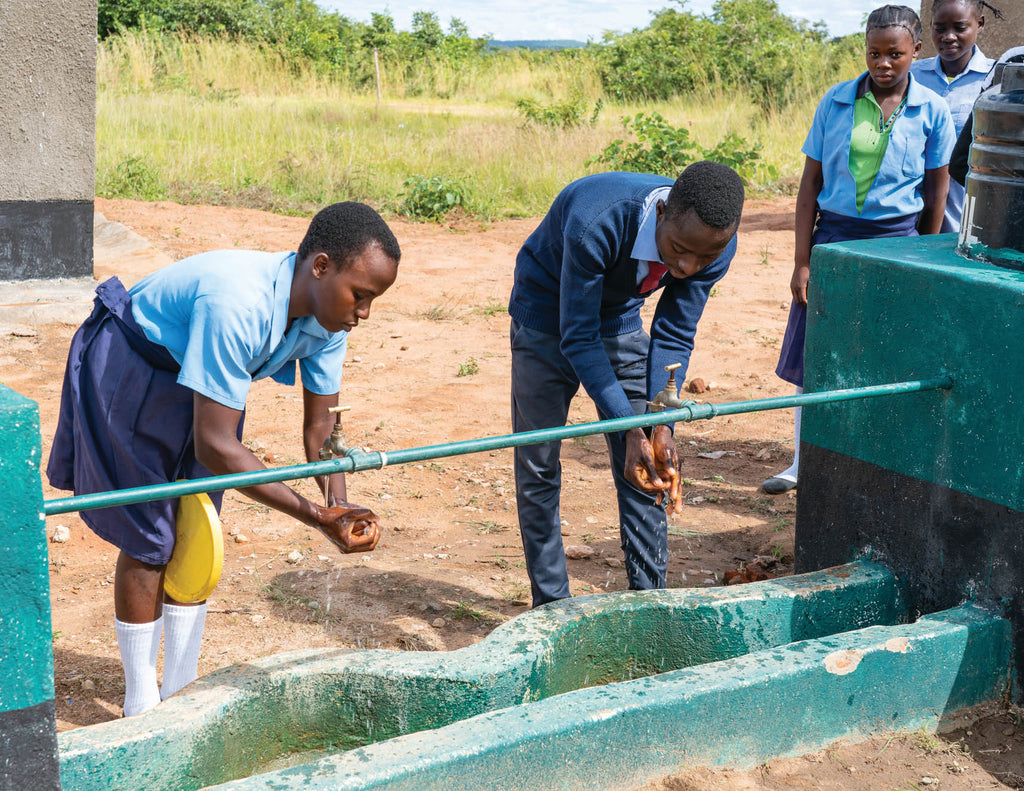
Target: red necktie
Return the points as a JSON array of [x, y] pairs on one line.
[[653, 276]]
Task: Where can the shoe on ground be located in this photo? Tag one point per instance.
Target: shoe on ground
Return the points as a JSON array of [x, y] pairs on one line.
[[778, 485]]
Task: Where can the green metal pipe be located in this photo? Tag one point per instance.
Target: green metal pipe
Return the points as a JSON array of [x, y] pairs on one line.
[[357, 459]]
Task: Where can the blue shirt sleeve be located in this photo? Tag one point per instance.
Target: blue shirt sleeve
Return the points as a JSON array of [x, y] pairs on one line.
[[675, 320], [938, 147], [585, 251], [814, 145], [321, 372], [214, 362]]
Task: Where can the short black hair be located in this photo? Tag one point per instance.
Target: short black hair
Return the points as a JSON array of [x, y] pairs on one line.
[[343, 230], [895, 16], [713, 190]]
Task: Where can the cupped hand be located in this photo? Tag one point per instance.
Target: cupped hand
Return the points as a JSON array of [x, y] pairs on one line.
[[666, 463], [351, 528], [641, 469]]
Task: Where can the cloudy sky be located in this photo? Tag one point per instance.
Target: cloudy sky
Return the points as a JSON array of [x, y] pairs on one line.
[[576, 19]]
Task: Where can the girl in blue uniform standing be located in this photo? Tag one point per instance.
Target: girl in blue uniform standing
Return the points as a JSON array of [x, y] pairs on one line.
[[956, 74], [876, 165]]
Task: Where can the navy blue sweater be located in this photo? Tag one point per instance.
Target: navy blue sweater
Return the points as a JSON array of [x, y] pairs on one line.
[[575, 278]]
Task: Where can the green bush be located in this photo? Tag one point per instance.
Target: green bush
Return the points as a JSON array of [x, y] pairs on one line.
[[666, 150], [568, 114], [132, 178], [432, 198]]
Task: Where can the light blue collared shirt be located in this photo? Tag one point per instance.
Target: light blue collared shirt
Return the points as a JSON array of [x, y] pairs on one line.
[[645, 248], [224, 317], [921, 139], [960, 95]]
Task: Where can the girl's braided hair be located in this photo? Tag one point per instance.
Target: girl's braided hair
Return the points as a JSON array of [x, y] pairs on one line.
[[981, 5], [896, 16]]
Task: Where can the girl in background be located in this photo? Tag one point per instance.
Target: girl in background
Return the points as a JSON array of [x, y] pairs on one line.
[[957, 73], [876, 166]]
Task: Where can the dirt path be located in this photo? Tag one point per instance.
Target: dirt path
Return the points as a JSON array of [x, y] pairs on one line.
[[449, 567]]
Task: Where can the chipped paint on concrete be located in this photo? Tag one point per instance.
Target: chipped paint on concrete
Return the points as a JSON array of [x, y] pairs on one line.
[[899, 645], [842, 663]]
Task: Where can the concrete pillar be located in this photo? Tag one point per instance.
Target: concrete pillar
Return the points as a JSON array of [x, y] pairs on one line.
[[931, 485], [47, 137], [28, 732]]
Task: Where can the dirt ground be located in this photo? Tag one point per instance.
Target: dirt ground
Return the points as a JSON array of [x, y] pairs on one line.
[[431, 365]]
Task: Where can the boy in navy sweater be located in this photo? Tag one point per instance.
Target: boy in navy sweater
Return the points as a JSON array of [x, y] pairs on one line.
[[608, 242]]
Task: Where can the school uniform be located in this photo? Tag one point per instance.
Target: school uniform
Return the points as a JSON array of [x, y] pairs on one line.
[[876, 193], [580, 280], [209, 324], [960, 94]]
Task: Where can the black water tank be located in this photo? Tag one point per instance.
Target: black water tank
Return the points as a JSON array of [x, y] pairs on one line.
[[993, 221]]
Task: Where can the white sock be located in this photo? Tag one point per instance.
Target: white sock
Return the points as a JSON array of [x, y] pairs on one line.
[[139, 644], [790, 473], [183, 636]]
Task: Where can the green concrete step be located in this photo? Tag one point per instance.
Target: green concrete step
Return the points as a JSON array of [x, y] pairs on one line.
[[246, 719]]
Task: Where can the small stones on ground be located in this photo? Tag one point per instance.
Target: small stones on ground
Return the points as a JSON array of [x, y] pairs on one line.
[[697, 385], [615, 563], [764, 454], [438, 623], [61, 534], [324, 558], [294, 556], [579, 552], [241, 538], [88, 685]]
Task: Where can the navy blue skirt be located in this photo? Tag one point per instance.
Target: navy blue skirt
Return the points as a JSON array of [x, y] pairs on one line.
[[831, 228], [124, 422]]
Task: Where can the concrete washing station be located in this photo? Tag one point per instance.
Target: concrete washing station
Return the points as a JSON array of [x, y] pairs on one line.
[[912, 503], [907, 607]]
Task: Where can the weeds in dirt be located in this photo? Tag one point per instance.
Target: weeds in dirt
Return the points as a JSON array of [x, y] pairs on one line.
[[928, 742], [466, 611], [488, 527], [515, 591], [586, 538], [500, 562], [436, 313], [492, 309], [764, 254], [469, 368]]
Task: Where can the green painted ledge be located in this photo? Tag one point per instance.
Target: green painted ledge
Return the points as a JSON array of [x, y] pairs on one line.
[[740, 712], [241, 720]]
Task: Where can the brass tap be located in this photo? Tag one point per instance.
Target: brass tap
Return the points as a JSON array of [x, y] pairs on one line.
[[335, 446], [669, 397]]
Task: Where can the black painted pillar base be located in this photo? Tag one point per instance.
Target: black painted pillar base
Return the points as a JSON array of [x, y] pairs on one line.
[[945, 546], [28, 749], [45, 240]]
